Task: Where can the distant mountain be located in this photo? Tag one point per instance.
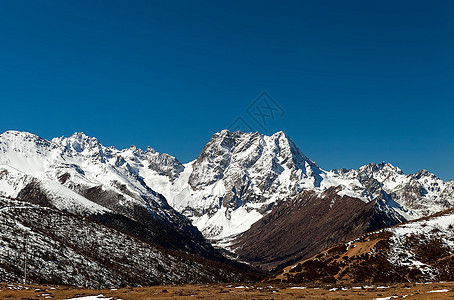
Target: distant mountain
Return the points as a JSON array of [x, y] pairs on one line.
[[239, 177], [416, 251], [412, 196]]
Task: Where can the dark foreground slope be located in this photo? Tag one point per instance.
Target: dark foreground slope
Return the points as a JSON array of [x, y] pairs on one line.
[[305, 225], [416, 251], [63, 248]]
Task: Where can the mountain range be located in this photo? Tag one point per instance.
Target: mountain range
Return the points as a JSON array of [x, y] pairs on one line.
[[247, 196]]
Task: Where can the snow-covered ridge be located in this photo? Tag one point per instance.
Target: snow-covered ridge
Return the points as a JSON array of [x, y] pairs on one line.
[[236, 179], [24, 155], [438, 229], [81, 176]]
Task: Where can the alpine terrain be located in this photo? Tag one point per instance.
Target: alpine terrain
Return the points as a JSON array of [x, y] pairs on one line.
[[416, 251], [79, 203], [256, 196], [238, 177]]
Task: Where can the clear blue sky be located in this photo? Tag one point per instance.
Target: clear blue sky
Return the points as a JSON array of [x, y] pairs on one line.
[[359, 81]]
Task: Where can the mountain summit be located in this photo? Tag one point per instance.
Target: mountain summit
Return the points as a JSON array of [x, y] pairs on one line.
[[236, 179]]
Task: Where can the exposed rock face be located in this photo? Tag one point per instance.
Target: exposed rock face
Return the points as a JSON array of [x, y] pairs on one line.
[[306, 224], [164, 164], [236, 179], [248, 161], [416, 251]]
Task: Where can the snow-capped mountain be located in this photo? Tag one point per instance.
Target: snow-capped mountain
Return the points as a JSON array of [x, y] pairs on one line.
[[236, 180], [80, 176], [412, 196]]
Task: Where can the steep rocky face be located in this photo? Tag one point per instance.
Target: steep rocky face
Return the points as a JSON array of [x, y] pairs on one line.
[[237, 178], [305, 225], [163, 164], [251, 161], [416, 251]]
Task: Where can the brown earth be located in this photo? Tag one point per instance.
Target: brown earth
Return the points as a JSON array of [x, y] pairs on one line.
[[217, 291], [305, 225], [366, 259]]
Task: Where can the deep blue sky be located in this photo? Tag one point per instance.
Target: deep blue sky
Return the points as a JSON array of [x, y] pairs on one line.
[[359, 81]]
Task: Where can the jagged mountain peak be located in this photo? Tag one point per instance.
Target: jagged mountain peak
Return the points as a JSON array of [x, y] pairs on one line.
[[237, 154], [150, 150], [132, 159], [134, 151], [79, 142], [383, 166], [79, 175], [238, 176], [424, 173], [237, 142]]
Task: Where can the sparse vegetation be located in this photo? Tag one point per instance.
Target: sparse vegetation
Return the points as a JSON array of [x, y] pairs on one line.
[[61, 248], [229, 291]]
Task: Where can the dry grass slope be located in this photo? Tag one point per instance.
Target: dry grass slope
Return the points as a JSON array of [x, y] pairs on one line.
[[230, 292]]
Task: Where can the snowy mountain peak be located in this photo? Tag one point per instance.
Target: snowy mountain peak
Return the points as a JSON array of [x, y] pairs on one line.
[[424, 173], [244, 153], [79, 142], [150, 150], [381, 167], [20, 136], [136, 151], [25, 151], [237, 177]]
